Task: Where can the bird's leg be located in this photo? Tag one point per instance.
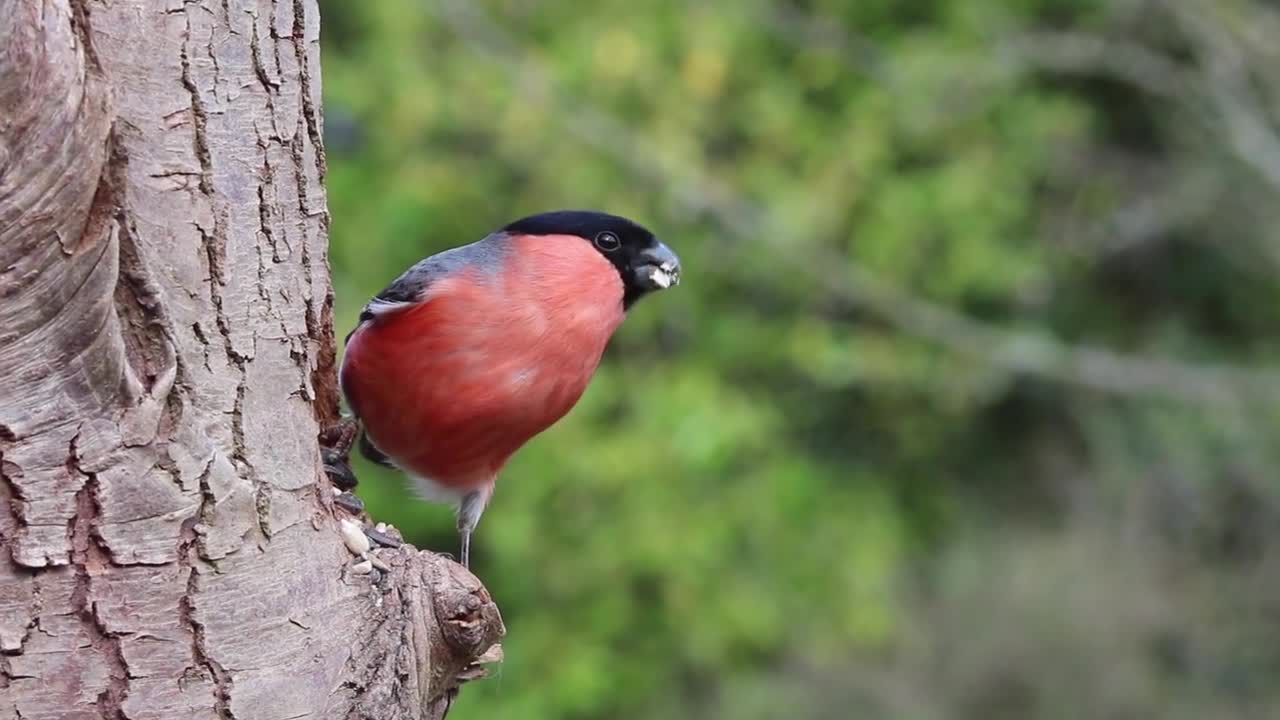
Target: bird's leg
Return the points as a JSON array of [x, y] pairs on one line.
[[469, 512], [335, 450], [341, 436]]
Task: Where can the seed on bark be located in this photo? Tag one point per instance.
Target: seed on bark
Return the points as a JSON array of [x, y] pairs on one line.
[[354, 537]]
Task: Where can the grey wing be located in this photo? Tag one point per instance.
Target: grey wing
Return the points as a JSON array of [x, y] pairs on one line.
[[402, 292], [412, 285]]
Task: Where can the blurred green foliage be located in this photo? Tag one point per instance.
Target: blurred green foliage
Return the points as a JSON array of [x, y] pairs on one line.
[[844, 469]]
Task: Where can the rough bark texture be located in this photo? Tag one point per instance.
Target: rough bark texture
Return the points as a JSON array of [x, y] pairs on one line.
[[170, 547]]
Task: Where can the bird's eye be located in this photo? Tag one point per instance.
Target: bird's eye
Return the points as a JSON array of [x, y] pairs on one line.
[[607, 241]]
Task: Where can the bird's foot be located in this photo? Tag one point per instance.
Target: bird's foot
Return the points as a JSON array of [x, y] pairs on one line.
[[341, 436], [335, 450]]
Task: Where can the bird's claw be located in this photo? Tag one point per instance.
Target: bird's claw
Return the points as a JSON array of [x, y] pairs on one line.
[[340, 437], [336, 442]]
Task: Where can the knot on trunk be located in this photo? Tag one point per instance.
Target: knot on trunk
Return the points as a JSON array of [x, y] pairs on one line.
[[468, 623], [434, 627]]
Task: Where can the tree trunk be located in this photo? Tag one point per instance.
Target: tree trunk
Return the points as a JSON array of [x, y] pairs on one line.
[[171, 548]]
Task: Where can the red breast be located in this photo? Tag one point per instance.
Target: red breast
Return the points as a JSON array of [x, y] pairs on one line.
[[452, 386]]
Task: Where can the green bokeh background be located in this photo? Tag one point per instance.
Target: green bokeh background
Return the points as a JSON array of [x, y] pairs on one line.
[[966, 407]]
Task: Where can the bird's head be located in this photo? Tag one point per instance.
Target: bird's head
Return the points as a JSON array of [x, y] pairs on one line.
[[644, 263]]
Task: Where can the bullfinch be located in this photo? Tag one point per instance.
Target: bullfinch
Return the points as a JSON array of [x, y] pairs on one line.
[[473, 351]]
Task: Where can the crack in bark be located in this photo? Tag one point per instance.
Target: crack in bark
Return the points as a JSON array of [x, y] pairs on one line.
[[319, 320], [199, 117], [222, 681], [315, 330], [37, 607], [189, 552], [309, 111], [80, 23], [267, 188], [255, 50], [275, 46], [261, 489], [203, 339], [217, 67], [268, 85], [214, 254], [89, 555], [204, 515], [215, 244], [264, 215], [12, 497], [261, 285]]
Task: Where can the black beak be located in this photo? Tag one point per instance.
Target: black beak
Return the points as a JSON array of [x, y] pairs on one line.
[[657, 267]]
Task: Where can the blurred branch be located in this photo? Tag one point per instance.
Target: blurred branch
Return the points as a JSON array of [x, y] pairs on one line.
[[1013, 351], [1218, 90], [1083, 53], [1228, 91], [1156, 215], [1222, 93], [1227, 82]]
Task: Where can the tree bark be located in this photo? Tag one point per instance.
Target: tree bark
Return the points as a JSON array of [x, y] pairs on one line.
[[171, 548]]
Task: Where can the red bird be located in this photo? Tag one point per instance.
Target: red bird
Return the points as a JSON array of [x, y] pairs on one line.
[[472, 352]]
